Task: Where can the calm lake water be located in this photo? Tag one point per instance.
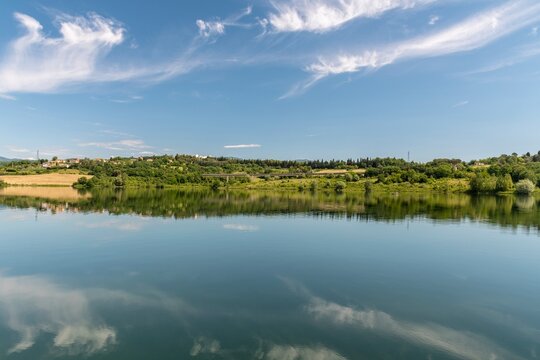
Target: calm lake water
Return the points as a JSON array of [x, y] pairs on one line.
[[181, 275]]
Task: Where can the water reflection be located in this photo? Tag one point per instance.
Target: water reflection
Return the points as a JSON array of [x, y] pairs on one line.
[[505, 211], [114, 276], [32, 306]]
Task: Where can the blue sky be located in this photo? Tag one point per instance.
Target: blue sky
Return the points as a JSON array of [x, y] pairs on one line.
[[288, 79]]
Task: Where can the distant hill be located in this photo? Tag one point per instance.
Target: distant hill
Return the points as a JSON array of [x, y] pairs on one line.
[[3, 159]]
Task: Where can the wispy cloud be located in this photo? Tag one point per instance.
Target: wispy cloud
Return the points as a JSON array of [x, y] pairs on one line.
[[325, 15], [461, 104], [38, 63], [242, 146], [210, 28], [122, 145], [7, 97], [18, 150], [433, 19], [128, 100], [473, 33], [216, 27], [517, 55]]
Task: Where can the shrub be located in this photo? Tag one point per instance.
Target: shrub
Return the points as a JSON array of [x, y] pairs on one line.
[[83, 183], [340, 186], [525, 187], [313, 186], [2, 184], [483, 183], [504, 183]]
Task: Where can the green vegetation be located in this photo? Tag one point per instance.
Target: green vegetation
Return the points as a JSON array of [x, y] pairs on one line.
[[2, 184], [504, 210], [492, 175], [525, 187]]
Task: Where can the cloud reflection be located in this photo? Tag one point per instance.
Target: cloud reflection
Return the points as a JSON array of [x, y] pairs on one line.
[[461, 344], [289, 352], [456, 343], [33, 305]]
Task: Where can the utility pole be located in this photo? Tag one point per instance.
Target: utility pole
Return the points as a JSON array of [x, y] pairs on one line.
[[408, 156]]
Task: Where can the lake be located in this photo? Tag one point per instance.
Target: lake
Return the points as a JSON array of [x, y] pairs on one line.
[[195, 274]]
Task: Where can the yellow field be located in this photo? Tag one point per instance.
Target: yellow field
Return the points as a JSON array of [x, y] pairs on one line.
[[43, 192], [43, 180]]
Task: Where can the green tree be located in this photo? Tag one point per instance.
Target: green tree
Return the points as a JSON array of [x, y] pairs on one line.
[[525, 187], [504, 183], [483, 183], [340, 186]]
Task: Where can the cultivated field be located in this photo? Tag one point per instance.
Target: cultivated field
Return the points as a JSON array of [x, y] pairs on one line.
[[42, 180]]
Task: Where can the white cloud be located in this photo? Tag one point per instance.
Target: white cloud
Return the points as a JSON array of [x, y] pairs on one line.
[[433, 19], [280, 352], [210, 28], [214, 28], [38, 63], [128, 100], [470, 34], [122, 145], [7, 97], [242, 146], [461, 104], [325, 15]]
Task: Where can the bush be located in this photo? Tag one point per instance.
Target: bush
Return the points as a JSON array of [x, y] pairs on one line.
[[340, 186], [525, 187], [483, 183], [504, 183], [83, 183], [313, 186], [2, 184]]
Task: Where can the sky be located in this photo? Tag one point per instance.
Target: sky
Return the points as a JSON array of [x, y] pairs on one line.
[[282, 79]]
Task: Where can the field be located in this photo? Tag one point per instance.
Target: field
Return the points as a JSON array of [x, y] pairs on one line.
[[55, 179]]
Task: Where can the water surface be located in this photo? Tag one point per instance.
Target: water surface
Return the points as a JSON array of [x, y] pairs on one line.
[[179, 275]]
